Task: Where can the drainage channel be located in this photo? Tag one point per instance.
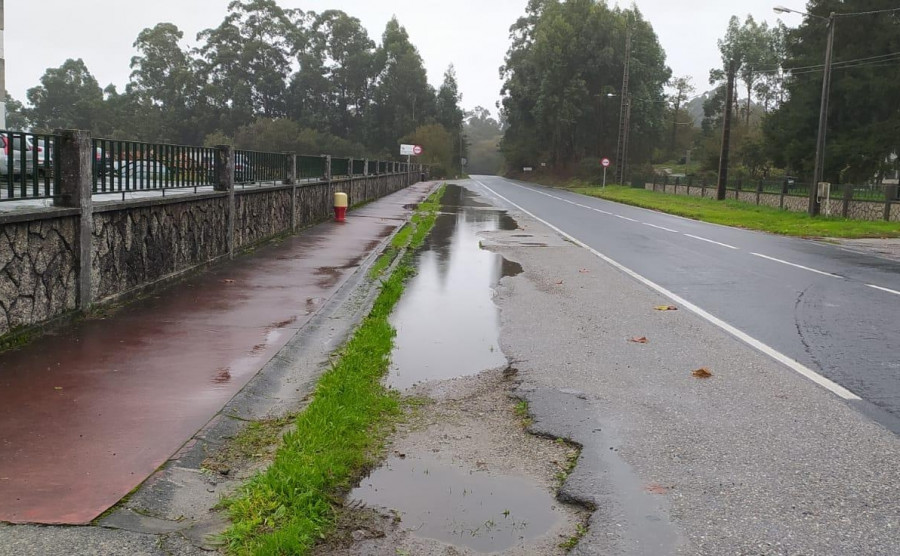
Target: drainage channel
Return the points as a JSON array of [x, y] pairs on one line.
[[448, 327]]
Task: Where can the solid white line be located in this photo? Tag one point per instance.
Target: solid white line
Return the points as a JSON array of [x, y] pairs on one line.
[[625, 218], [895, 292], [797, 265], [661, 228], [711, 241], [796, 366]]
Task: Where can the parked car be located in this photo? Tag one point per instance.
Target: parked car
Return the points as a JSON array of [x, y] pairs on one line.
[[11, 154], [141, 172], [242, 170]]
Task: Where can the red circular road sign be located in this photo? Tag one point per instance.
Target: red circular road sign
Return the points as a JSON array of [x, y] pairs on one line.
[[604, 162], [417, 150]]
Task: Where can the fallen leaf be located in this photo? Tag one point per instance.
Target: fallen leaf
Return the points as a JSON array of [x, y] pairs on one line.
[[702, 372], [584, 271], [559, 283], [666, 308], [640, 340], [57, 387], [654, 488], [228, 281]]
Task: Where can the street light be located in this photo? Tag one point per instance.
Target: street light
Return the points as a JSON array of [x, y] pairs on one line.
[[823, 107]]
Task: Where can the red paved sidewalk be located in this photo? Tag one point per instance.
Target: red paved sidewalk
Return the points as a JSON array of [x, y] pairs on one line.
[[88, 413]]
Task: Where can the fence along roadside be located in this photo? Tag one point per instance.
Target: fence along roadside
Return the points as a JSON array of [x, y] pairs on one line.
[[29, 169]]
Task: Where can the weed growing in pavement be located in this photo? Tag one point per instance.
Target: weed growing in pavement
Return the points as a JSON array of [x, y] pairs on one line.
[[572, 542], [291, 505], [255, 441]]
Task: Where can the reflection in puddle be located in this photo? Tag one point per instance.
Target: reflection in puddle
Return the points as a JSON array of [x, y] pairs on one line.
[[447, 323], [483, 512]]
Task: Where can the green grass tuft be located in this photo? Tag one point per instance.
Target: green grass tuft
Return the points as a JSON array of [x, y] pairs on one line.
[[745, 215]]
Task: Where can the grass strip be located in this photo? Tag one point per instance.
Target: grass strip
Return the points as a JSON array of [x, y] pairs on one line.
[[290, 506], [745, 215]]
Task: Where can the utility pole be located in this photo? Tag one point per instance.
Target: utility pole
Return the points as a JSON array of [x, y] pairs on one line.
[[823, 123], [726, 133], [2, 72], [624, 115]]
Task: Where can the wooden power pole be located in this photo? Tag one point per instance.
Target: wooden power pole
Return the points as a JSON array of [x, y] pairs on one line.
[[624, 115]]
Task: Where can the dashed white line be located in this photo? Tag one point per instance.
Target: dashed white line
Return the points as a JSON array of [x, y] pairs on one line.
[[661, 228], [895, 292], [601, 211], [796, 265], [796, 366], [711, 241], [625, 218]]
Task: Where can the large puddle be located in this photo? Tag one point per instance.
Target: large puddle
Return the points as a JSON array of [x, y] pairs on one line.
[[483, 512], [447, 323]]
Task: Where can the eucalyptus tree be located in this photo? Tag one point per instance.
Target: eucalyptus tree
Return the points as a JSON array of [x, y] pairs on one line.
[[68, 97]]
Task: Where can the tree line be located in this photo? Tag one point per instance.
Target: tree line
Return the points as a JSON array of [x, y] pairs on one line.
[[266, 78], [563, 73]]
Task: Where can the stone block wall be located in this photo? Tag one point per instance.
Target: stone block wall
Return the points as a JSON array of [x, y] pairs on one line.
[[260, 214], [139, 243], [38, 267], [860, 210]]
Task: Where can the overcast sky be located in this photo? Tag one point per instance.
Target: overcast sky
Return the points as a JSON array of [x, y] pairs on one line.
[[471, 34]]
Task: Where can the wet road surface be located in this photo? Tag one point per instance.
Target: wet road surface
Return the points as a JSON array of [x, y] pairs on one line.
[[831, 310], [87, 413]]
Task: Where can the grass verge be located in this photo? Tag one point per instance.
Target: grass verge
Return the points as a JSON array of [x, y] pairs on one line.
[[290, 506], [744, 215]]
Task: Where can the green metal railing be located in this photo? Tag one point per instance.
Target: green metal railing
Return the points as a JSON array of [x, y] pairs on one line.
[[128, 166], [27, 166], [252, 167]]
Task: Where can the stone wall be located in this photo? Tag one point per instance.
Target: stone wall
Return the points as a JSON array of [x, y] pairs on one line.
[[138, 243], [38, 266], [260, 214]]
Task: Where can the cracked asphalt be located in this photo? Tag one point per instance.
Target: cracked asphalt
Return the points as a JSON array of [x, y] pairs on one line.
[[756, 459]]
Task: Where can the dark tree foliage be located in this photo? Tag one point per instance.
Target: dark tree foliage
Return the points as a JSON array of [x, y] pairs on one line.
[[563, 73], [864, 115], [264, 74]]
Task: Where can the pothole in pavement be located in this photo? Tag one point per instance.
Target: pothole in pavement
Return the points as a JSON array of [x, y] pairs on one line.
[[464, 477]]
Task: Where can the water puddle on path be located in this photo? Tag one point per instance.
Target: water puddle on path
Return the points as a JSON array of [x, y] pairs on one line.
[[436, 500], [447, 323]]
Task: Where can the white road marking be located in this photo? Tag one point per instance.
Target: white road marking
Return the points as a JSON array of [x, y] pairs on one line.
[[661, 228], [895, 292], [625, 218], [796, 265], [796, 366], [711, 241], [601, 211]]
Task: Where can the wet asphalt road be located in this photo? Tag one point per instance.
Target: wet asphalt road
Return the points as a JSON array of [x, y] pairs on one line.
[[830, 309]]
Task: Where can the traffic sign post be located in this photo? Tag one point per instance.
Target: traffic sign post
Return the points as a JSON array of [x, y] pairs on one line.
[[605, 163]]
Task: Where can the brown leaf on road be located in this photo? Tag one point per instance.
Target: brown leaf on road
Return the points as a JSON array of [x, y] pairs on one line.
[[228, 281], [584, 271], [702, 372], [559, 283], [666, 308], [639, 340], [654, 488]]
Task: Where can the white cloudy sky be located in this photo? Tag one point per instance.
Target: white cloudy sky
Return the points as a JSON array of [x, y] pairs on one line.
[[471, 34]]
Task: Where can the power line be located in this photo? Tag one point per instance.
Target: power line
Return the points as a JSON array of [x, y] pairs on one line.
[[821, 66], [888, 10]]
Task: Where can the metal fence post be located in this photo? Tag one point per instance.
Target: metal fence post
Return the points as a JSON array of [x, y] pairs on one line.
[[328, 168], [76, 181], [225, 182], [291, 177], [759, 187], [784, 190]]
